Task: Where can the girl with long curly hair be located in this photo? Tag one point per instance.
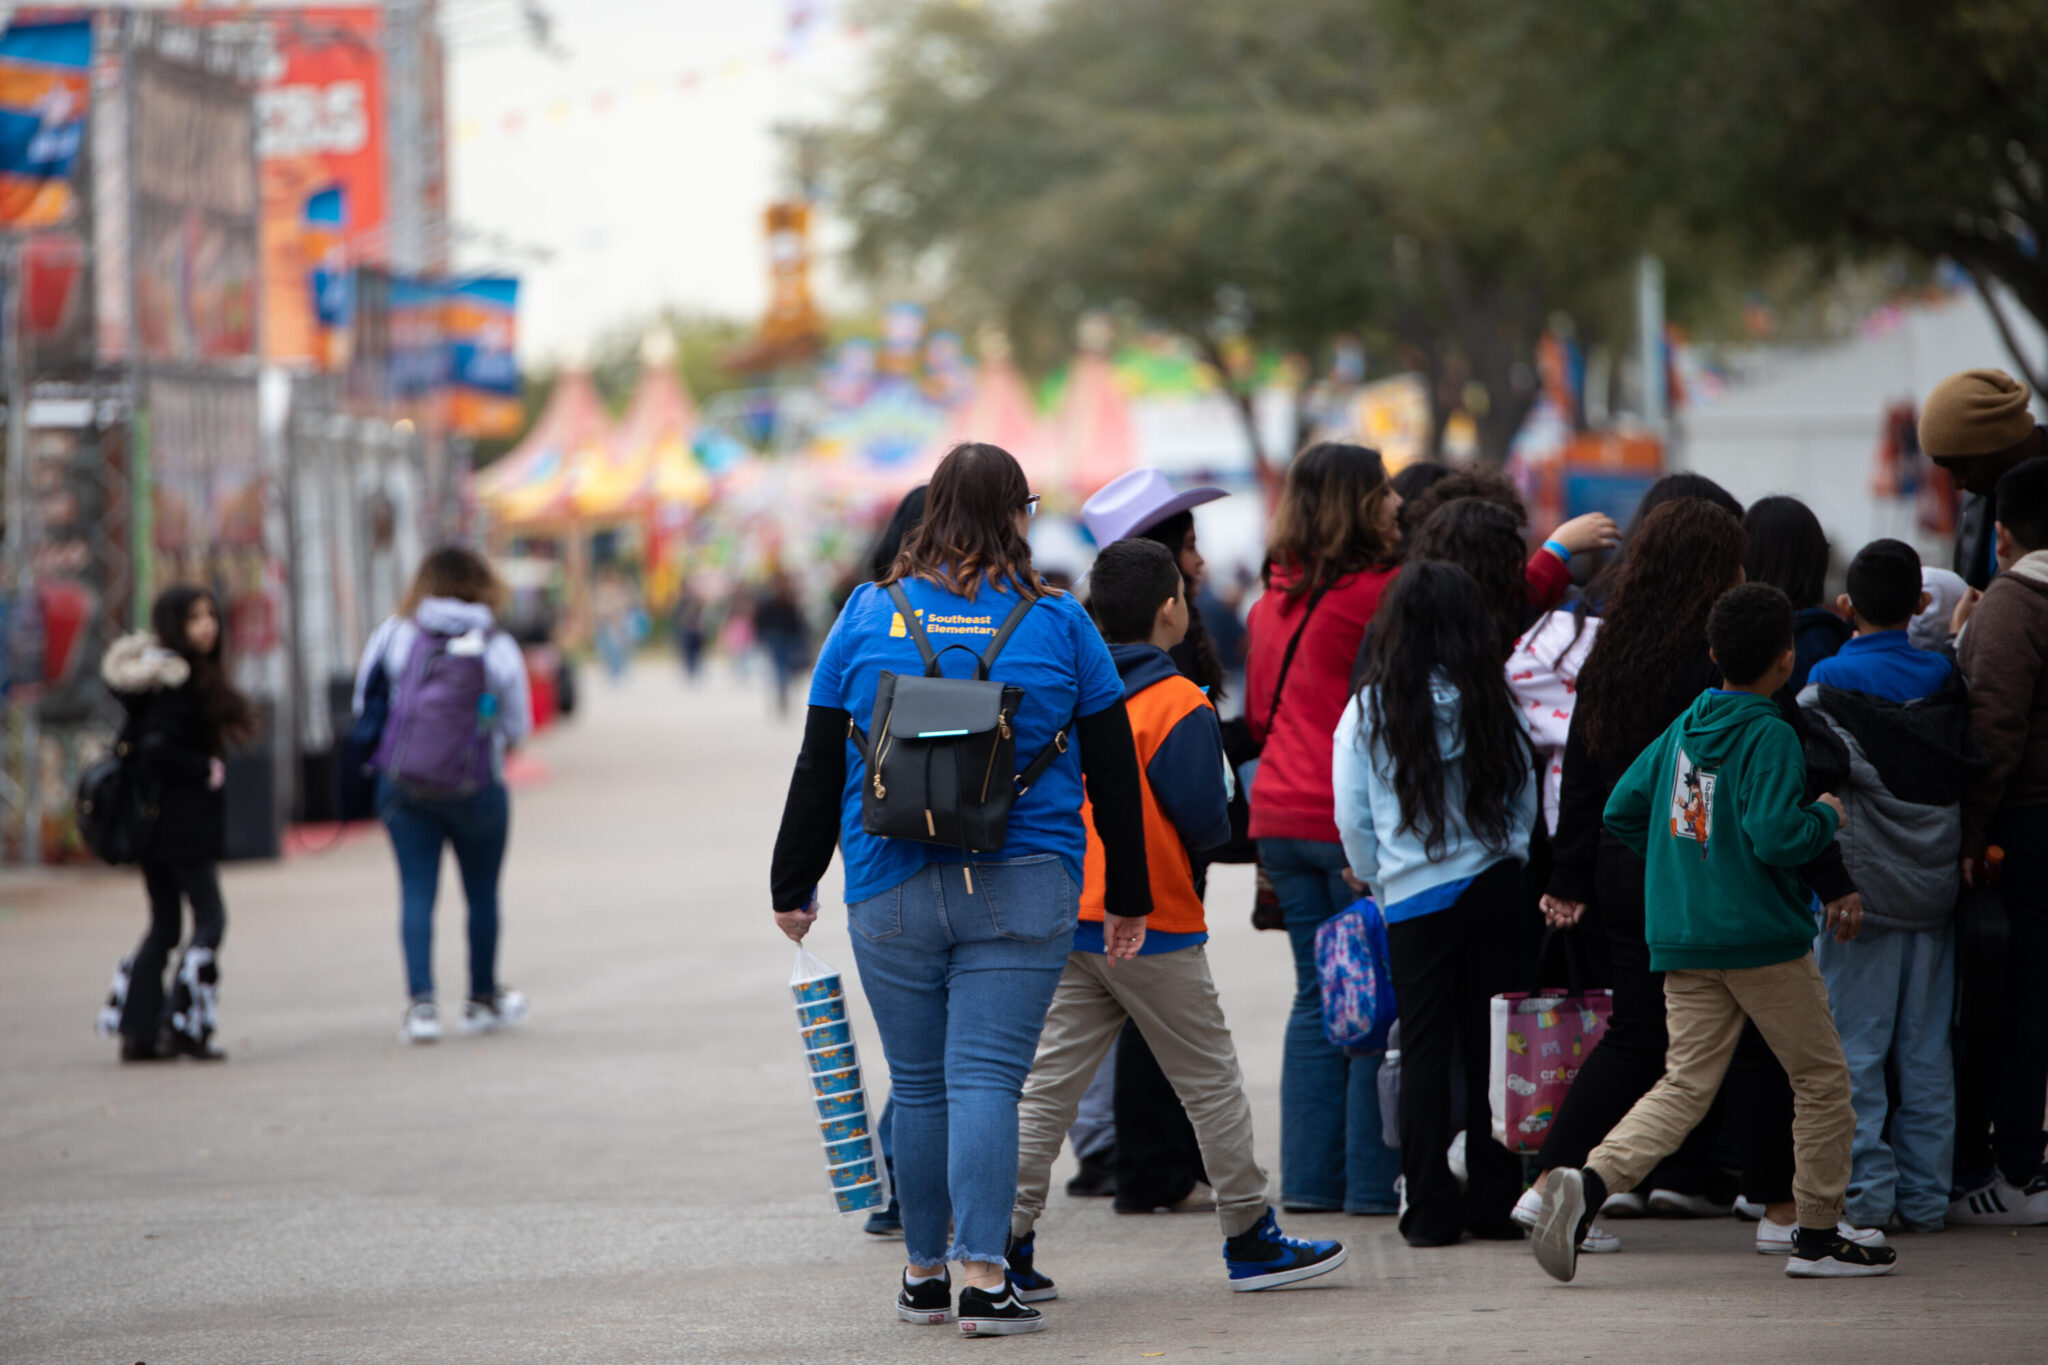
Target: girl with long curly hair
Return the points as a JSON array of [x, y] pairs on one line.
[[1436, 795], [1648, 662]]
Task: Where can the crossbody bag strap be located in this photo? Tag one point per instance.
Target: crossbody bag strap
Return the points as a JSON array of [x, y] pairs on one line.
[[1287, 660]]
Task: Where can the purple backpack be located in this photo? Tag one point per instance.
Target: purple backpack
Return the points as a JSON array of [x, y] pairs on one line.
[[437, 742]]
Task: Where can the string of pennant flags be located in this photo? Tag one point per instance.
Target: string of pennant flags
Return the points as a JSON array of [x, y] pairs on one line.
[[516, 122]]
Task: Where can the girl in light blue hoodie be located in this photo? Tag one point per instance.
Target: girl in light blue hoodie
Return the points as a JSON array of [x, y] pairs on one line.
[[1436, 796]]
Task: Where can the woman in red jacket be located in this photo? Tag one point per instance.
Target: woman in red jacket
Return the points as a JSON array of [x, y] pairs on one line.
[[1331, 554]]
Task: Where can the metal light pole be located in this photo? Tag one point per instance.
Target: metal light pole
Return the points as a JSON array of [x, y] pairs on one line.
[[19, 567]]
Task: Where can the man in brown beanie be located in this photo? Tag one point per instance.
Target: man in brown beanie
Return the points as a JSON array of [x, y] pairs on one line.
[[1977, 425]]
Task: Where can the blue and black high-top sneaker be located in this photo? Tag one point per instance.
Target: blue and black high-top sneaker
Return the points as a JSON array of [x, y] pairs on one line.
[[1263, 1257], [1028, 1284]]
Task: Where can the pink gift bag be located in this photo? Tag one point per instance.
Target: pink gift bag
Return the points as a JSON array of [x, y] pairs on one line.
[[1539, 1044]]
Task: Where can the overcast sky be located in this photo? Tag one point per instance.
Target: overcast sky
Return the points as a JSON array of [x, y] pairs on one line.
[[653, 199]]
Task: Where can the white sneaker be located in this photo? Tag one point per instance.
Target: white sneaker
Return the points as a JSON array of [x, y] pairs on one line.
[[1749, 1211], [1630, 1205], [2002, 1204], [1672, 1204], [1776, 1239], [506, 1008], [1455, 1159], [1598, 1240], [422, 1023]]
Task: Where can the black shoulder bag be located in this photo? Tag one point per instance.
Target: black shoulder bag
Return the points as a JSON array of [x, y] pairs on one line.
[[940, 752]]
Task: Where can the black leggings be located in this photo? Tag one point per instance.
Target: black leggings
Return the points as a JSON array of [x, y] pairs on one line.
[[170, 884], [1447, 968], [1630, 1059]]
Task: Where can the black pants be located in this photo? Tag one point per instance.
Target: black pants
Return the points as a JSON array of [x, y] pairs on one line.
[[1756, 1098], [2005, 1070], [1447, 966], [169, 885], [1158, 1161], [1630, 1057]]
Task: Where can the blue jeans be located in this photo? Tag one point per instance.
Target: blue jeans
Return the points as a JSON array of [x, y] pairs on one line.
[[1892, 993], [1331, 1152], [959, 981], [477, 825]]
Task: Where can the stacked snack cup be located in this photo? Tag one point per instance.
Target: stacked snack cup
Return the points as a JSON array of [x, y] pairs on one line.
[[852, 1165]]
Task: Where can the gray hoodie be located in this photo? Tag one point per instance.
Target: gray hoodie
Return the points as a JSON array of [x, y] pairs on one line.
[[1907, 765]]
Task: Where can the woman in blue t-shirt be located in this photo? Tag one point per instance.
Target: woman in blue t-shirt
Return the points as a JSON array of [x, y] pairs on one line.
[[959, 954]]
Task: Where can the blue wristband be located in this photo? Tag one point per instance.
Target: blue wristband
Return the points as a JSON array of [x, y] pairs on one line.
[[1558, 550]]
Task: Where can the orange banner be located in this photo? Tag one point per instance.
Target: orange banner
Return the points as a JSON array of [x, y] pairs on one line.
[[320, 125]]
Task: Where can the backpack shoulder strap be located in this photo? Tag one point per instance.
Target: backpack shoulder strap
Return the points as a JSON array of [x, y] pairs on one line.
[[914, 626], [1005, 631], [1046, 758]]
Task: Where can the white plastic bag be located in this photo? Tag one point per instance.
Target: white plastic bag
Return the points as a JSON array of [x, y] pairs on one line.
[[853, 1159]]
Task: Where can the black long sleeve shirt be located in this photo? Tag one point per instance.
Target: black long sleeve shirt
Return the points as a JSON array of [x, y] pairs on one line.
[[1109, 768]]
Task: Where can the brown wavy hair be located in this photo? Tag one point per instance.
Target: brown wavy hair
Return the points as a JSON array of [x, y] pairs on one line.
[[1482, 538], [1486, 484], [969, 532], [1683, 557], [1327, 524], [457, 573]]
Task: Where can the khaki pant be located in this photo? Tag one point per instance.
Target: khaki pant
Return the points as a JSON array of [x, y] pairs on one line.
[[1704, 1011], [1173, 1001]]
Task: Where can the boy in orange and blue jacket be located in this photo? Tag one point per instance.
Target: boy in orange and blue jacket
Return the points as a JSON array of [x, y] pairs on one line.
[[1138, 598]]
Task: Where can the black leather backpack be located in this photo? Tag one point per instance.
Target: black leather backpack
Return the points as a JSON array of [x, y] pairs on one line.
[[941, 752]]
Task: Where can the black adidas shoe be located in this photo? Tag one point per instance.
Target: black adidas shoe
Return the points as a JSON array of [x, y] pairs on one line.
[[1001, 1314], [928, 1304], [1825, 1254]]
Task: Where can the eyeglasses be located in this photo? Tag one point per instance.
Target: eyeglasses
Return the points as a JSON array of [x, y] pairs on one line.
[[1031, 504]]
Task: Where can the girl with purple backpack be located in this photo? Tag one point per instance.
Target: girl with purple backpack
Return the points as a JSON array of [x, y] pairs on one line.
[[451, 687]]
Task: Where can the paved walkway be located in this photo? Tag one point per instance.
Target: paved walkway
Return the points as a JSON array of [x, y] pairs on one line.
[[634, 1177]]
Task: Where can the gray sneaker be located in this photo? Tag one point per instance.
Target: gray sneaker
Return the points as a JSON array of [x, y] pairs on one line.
[[1561, 1223], [422, 1023], [502, 1010]]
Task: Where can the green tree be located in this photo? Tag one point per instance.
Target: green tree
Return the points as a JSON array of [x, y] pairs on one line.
[[1224, 168], [1846, 128], [1171, 157]]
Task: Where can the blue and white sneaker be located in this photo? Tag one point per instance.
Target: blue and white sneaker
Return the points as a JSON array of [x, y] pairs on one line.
[[1028, 1285], [1263, 1257]]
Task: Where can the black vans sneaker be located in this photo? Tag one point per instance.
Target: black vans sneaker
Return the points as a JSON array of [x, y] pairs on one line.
[[1001, 1314], [927, 1304], [1825, 1254]]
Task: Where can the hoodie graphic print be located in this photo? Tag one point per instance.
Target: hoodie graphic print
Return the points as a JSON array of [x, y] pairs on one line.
[[1692, 803]]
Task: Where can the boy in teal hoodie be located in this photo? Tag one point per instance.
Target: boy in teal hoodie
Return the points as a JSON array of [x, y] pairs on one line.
[[1717, 809]]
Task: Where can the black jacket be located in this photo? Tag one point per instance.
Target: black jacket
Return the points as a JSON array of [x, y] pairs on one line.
[[1589, 780], [1817, 634], [174, 745]]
